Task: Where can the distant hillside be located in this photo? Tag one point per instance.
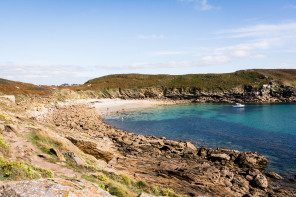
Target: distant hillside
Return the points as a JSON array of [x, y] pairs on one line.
[[16, 88], [254, 78]]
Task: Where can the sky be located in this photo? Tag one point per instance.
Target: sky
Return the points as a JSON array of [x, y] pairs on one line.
[[51, 42]]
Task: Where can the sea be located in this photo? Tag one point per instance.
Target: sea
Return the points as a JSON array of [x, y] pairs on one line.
[[269, 129]]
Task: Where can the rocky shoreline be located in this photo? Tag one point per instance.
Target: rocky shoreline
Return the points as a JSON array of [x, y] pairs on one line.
[[189, 170]]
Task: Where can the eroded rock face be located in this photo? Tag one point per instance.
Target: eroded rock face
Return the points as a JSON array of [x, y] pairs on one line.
[[50, 188], [91, 148]]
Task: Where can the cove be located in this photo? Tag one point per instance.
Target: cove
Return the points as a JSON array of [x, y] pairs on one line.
[[269, 129]]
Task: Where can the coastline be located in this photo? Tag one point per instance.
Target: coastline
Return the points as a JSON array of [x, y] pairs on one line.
[[140, 155], [113, 106]]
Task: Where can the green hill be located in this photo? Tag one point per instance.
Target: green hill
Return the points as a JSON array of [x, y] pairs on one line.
[[17, 88], [254, 78]]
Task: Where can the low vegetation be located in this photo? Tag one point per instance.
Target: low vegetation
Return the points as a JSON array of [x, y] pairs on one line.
[[12, 170], [123, 186], [198, 81], [4, 147]]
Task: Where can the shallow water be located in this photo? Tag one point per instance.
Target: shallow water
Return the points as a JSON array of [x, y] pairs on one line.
[[269, 129]]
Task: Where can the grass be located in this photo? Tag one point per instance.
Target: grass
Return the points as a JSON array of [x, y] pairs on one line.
[[123, 186], [45, 142], [12, 170], [207, 82], [4, 147]]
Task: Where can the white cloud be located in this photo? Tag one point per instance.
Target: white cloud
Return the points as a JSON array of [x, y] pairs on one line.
[[287, 30], [288, 66], [204, 61], [160, 53], [43, 74], [202, 5], [259, 56], [152, 36]]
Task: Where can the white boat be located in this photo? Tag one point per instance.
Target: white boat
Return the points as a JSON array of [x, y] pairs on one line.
[[238, 105]]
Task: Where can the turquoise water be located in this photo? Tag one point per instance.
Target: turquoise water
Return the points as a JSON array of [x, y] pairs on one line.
[[269, 129]]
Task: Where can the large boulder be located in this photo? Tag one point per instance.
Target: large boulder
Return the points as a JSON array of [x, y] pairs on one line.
[[90, 147], [251, 160], [260, 181], [50, 188], [74, 157]]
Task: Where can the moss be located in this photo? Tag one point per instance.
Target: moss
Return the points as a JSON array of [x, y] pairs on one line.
[[16, 170]]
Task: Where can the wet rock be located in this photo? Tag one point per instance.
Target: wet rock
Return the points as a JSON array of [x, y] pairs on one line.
[[58, 154], [260, 181], [74, 157], [274, 175]]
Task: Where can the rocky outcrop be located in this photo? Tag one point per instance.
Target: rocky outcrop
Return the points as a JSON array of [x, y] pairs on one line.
[[188, 169], [51, 188], [270, 92], [74, 157], [91, 148]]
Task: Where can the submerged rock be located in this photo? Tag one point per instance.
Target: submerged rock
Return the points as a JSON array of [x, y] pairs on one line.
[[274, 175]]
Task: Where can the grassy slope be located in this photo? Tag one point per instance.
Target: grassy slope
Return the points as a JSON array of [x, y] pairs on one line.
[[205, 82], [16, 88], [200, 81]]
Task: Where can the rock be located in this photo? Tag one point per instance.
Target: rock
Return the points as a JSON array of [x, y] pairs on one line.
[[239, 184], [260, 181], [253, 172], [10, 128], [202, 152], [189, 147], [249, 177], [50, 188], [73, 156], [145, 195], [58, 154], [274, 175], [251, 160], [91, 148], [219, 157]]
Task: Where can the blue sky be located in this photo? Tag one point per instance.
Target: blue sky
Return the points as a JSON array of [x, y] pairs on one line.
[[71, 41]]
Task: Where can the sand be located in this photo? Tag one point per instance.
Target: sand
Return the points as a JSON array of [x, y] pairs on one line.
[[111, 106]]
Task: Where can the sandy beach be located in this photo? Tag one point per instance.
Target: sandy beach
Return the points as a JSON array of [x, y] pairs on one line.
[[110, 106]]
